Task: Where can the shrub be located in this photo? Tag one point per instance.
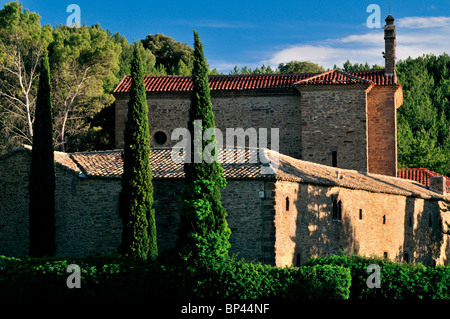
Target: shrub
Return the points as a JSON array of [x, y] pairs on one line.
[[397, 280], [119, 278]]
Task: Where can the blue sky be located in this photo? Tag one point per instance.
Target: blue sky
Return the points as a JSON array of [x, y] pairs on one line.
[[252, 33]]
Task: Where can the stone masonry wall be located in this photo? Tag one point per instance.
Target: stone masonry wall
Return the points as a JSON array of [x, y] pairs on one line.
[[308, 230], [382, 130], [87, 216], [230, 111], [14, 202], [335, 120]]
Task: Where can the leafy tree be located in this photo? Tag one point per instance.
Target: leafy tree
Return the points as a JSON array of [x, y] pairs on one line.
[[84, 63], [126, 56], [246, 70], [300, 67], [42, 172], [203, 232], [136, 196], [168, 52], [22, 43], [423, 119], [349, 67], [181, 69]]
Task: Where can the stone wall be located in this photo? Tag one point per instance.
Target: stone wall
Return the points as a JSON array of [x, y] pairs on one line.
[[231, 110], [371, 224], [334, 120], [14, 203], [87, 217]]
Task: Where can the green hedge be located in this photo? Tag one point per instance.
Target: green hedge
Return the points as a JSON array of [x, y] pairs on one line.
[[397, 280], [115, 278]]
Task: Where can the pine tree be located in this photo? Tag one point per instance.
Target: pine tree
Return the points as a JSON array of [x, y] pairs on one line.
[[136, 196], [42, 171], [203, 232]]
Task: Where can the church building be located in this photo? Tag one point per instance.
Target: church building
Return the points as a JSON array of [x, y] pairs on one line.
[[334, 188]]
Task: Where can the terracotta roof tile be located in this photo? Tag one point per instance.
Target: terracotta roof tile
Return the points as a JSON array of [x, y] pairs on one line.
[[109, 164], [183, 83], [335, 77], [420, 175]]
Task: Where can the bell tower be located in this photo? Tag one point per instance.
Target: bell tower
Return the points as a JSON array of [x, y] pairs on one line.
[[389, 44]]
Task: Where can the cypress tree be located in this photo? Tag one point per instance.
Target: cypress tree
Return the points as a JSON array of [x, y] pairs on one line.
[[203, 232], [42, 171], [136, 196]]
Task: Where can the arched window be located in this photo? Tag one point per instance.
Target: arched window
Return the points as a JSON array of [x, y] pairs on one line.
[[360, 214], [337, 210], [287, 204], [384, 219]]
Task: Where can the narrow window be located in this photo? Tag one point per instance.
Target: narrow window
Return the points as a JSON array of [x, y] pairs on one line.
[[287, 204], [384, 219], [297, 262], [334, 158], [385, 255], [406, 257], [410, 221], [337, 210], [334, 209], [360, 214]]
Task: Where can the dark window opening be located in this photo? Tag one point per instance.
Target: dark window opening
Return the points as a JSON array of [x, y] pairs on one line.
[[384, 219], [160, 138], [287, 204], [337, 210], [297, 262], [406, 257], [360, 214], [334, 158], [410, 221], [385, 255]]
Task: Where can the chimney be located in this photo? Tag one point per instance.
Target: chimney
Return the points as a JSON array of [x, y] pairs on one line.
[[389, 47], [438, 184]]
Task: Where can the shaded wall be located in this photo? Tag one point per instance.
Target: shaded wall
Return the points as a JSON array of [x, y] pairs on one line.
[[371, 224]]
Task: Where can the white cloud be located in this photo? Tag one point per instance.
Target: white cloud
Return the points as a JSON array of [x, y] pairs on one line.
[[423, 22], [326, 56], [414, 38]]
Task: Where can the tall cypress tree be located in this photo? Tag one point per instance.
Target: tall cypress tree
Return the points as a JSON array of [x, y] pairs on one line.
[[204, 231], [136, 196], [42, 171]]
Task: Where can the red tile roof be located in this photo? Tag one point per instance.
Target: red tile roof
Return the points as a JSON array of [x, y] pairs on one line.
[[334, 77], [420, 175], [183, 83]]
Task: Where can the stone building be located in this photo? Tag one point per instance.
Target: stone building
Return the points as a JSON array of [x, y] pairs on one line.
[[334, 118], [300, 210], [305, 206]]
